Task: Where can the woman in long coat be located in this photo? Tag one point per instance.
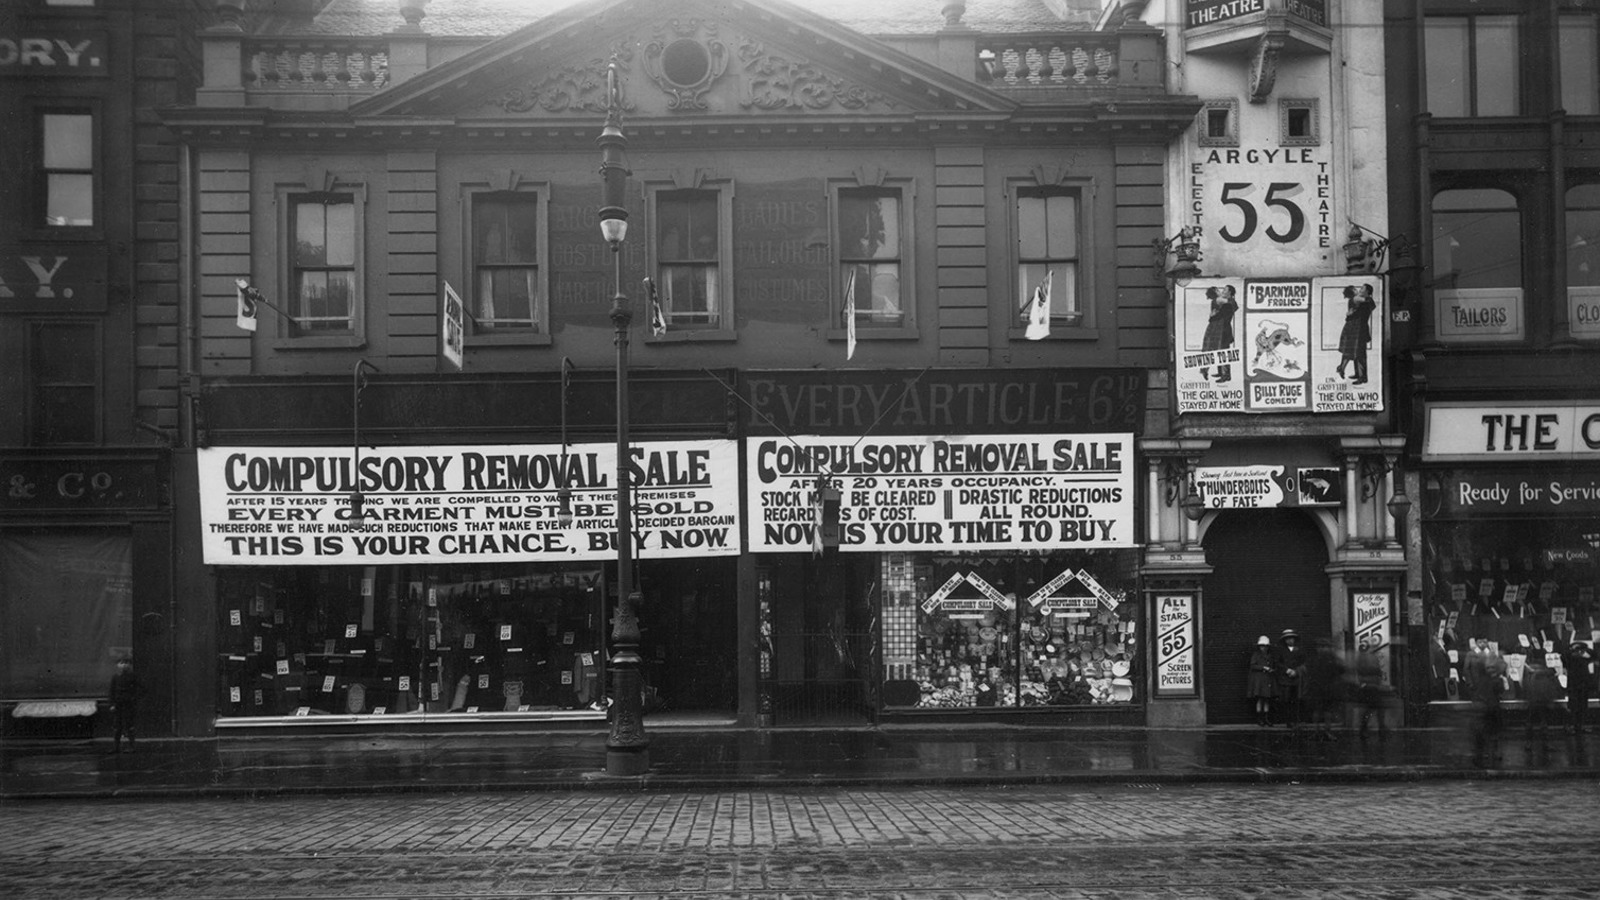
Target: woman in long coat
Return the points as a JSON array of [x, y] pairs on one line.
[[1356, 335], [1262, 686], [1219, 326]]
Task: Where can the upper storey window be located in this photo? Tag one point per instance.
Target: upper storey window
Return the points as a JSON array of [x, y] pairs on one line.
[[1579, 46], [689, 256], [325, 263], [66, 175], [507, 292], [1477, 265], [871, 255], [1047, 248], [1472, 65]]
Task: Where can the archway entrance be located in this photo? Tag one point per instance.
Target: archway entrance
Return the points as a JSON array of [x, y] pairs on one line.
[[1267, 575]]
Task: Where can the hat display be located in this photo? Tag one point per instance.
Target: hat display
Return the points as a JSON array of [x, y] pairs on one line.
[[1263, 641]]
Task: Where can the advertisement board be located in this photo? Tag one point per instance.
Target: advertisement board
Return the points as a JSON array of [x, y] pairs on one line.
[[994, 492], [292, 505], [1261, 487], [1175, 642], [1265, 345]]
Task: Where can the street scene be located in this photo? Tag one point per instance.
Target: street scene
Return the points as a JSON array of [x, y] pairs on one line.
[[1511, 839], [800, 448]]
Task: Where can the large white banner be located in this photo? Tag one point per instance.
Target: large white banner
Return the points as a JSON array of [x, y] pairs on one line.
[[291, 505], [990, 492]]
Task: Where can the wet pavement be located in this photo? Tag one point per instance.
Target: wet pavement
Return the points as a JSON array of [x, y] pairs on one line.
[[687, 757]]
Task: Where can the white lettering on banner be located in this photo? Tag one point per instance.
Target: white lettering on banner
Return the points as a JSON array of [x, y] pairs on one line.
[[292, 505], [970, 493], [1175, 645], [1512, 431]]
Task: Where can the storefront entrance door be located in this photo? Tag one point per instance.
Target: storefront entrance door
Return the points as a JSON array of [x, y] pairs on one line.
[[1267, 575], [822, 640]]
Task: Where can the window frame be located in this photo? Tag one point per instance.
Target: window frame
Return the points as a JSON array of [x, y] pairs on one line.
[[1230, 105], [1313, 108], [40, 195], [1083, 189], [540, 334], [1584, 327], [291, 336], [1563, 16], [1519, 292], [1471, 16], [725, 329], [36, 385], [907, 329]]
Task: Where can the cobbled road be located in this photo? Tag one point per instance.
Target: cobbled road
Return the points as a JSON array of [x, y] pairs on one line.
[[1501, 839]]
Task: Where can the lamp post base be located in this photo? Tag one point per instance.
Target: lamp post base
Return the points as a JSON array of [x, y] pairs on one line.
[[627, 761]]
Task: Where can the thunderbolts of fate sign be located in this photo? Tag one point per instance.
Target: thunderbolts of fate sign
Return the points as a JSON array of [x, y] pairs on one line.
[[1266, 345]]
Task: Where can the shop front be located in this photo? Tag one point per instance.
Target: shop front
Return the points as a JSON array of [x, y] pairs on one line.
[[85, 549], [952, 544], [387, 587], [1511, 538]]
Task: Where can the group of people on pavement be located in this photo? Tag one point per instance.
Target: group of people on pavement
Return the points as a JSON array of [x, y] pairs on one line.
[[1488, 682], [1293, 685]]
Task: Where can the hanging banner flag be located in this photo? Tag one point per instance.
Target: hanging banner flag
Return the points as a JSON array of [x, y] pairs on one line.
[[658, 319], [245, 304], [850, 316], [291, 505], [1039, 311], [452, 328]]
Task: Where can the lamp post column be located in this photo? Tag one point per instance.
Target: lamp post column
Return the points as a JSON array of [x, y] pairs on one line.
[[627, 746]]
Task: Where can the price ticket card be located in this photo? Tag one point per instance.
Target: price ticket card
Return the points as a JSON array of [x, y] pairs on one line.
[[568, 638], [566, 677], [505, 632], [327, 685], [351, 631], [405, 682], [234, 695], [483, 681], [283, 667], [469, 640], [234, 618]]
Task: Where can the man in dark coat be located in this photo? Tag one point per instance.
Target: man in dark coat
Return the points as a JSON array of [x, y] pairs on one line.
[[1579, 663], [124, 697], [1290, 671]]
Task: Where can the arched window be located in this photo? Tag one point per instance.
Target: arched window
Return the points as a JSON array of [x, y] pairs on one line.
[[1583, 261], [1477, 266]]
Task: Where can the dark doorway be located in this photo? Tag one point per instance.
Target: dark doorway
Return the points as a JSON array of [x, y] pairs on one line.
[[688, 637], [822, 639], [1267, 575]]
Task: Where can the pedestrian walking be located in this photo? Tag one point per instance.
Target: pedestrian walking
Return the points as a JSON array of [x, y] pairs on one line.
[[124, 697], [1485, 681], [1579, 661], [1539, 689], [1322, 688], [1372, 695], [1262, 685], [1289, 669]]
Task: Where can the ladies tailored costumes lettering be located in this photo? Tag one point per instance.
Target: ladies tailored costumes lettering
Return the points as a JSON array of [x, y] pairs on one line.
[[1356, 336], [1219, 327]]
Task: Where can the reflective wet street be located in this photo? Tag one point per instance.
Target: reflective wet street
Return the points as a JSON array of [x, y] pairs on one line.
[[1436, 839]]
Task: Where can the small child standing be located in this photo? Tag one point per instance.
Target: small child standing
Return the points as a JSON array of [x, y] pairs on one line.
[[124, 696]]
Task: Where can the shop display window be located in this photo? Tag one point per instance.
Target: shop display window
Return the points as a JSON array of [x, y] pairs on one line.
[[392, 640], [1010, 630], [1523, 589]]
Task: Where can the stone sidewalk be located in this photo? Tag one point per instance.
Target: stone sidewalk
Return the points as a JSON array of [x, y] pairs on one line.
[[687, 757]]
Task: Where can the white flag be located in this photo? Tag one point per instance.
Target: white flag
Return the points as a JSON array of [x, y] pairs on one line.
[[850, 316], [245, 298], [658, 320], [1039, 311]]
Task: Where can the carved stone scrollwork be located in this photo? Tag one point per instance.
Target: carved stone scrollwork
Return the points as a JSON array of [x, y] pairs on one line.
[[684, 59], [580, 88], [772, 81], [1264, 66]]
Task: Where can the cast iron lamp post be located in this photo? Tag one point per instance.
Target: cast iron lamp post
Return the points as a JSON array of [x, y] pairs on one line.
[[627, 746]]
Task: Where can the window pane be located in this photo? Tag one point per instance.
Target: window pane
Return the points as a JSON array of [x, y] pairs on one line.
[[1495, 43], [522, 241], [65, 414], [885, 307], [1477, 247], [869, 225], [1583, 236], [688, 294], [688, 225], [310, 235], [506, 296], [64, 353], [341, 234], [1061, 213], [1032, 228], [1445, 43], [69, 199], [68, 141], [489, 230], [1580, 70]]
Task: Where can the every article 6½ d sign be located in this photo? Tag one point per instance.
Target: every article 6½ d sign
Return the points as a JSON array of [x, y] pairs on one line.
[[1281, 345], [990, 492], [292, 505]]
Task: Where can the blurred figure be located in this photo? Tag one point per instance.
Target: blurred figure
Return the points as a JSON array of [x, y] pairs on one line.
[[1486, 673], [1539, 688], [1262, 686], [1289, 669], [124, 696], [1579, 663], [1371, 693], [1322, 688]]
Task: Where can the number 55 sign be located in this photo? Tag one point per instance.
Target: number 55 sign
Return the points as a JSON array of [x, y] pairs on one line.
[[1175, 639], [1269, 209]]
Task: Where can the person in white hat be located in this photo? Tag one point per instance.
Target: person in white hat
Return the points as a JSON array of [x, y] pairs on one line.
[[1262, 686]]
